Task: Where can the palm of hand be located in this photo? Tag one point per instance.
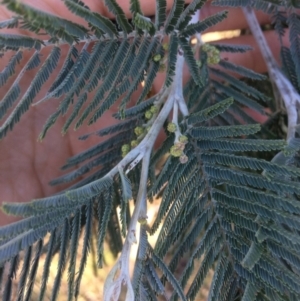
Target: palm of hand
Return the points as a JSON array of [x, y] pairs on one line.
[[26, 165]]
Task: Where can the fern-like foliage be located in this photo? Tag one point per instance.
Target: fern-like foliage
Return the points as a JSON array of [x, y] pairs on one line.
[[224, 204]]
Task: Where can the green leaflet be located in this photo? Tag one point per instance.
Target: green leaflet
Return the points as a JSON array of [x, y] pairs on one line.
[[173, 49], [35, 86], [35, 20], [144, 23], [64, 239], [241, 70], [186, 16], [102, 23], [252, 256], [160, 264], [104, 211], [210, 112], [135, 7], [86, 247], [190, 60], [120, 15], [174, 15], [226, 131], [250, 292], [9, 70], [160, 13], [18, 41], [73, 251], [199, 27]]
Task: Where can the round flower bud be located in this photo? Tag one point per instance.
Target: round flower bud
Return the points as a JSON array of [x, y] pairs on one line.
[[213, 56], [154, 109], [165, 46], [171, 127], [180, 145], [183, 158], [134, 143], [148, 114], [183, 139], [125, 148], [175, 152], [139, 130], [206, 47], [157, 57]]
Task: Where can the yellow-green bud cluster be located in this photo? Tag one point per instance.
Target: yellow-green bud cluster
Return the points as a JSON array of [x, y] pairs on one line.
[[213, 54], [172, 127], [157, 57], [134, 143], [183, 139], [183, 158], [175, 152], [154, 109], [139, 130], [148, 114], [165, 46], [177, 149], [125, 149]]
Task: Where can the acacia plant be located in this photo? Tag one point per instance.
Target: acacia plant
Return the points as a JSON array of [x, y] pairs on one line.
[[228, 188]]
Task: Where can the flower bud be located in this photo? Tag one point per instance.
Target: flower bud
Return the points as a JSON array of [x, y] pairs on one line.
[[180, 145], [165, 46], [183, 139], [148, 114], [183, 158], [139, 130], [206, 47], [157, 57], [154, 109], [172, 127], [175, 152], [125, 148], [213, 55], [134, 143]]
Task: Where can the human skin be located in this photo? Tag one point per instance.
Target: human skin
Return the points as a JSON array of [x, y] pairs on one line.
[[27, 166]]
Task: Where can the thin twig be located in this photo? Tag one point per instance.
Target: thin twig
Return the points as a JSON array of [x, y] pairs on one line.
[[288, 93], [143, 150]]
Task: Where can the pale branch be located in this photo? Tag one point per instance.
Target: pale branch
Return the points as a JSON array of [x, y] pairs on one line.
[[288, 93], [196, 18], [120, 273]]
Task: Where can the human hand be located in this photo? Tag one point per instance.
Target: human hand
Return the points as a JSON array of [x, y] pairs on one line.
[[27, 166]]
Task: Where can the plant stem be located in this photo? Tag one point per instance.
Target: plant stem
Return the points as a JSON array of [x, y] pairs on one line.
[[286, 90], [142, 152]]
